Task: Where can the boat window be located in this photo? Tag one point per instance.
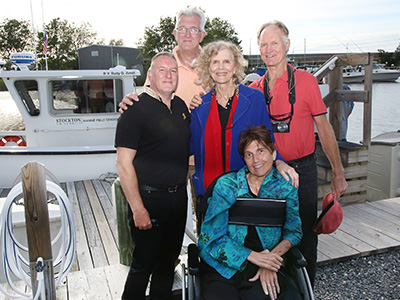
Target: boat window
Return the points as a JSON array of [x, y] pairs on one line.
[[86, 96], [28, 92]]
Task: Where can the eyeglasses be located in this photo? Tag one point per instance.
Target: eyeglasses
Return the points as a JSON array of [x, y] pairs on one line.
[[192, 30]]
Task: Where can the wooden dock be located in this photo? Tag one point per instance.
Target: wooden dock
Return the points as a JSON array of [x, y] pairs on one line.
[[367, 228]]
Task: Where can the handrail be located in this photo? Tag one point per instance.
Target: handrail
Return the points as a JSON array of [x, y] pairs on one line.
[[329, 64]]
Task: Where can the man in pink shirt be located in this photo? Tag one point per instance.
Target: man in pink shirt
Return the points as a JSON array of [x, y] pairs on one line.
[[295, 104], [189, 33]]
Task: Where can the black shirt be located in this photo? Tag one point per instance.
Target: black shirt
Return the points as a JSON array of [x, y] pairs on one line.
[[161, 138]]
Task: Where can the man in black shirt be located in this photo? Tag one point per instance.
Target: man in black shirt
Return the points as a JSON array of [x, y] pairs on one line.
[[152, 141]]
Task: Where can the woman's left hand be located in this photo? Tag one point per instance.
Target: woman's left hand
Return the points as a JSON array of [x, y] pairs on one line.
[[287, 171], [269, 282]]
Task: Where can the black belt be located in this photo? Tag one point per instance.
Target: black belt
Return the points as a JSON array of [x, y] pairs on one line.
[[169, 189], [301, 159]]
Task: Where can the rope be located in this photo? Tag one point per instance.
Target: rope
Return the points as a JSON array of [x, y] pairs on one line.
[[14, 262]]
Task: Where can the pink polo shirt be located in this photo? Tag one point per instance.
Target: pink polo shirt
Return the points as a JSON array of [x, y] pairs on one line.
[[187, 87]]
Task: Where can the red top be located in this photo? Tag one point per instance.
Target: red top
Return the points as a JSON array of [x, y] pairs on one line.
[[300, 141]]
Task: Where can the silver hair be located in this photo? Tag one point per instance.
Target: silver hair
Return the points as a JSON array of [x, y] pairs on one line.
[[192, 11], [280, 25], [165, 53]]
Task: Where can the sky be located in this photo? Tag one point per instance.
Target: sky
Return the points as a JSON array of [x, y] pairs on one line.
[[315, 26]]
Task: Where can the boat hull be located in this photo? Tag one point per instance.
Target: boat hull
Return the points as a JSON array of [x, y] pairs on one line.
[[378, 75], [65, 164]]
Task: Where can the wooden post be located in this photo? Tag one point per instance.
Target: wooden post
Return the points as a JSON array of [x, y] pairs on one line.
[[37, 225], [126, 245], [368, 105]]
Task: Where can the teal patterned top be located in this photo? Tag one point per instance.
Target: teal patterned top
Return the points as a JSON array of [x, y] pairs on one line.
[[221, 245]]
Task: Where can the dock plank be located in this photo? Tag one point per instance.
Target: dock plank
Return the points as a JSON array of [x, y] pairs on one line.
[[361, 230], [92, 233], [82, 247], [107, 187], [335, 249], [352, 241], [116, 277], [391, 206], [78, 285], [106, 203], [377, 219], [62, 292], [367, 228], [109, 244]]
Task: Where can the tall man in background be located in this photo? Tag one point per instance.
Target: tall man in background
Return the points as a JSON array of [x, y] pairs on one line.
[[295, 104]]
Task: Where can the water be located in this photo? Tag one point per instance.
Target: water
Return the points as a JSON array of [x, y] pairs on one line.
[[385, 111], [10, 118]]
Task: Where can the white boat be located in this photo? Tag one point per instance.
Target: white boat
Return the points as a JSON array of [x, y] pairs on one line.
[[70, 119], [379, 74]]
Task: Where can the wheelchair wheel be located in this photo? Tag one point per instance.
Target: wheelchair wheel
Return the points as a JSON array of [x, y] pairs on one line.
[[303, 282]]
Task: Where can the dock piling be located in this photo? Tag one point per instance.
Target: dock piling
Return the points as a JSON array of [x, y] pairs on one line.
[[37, 225]]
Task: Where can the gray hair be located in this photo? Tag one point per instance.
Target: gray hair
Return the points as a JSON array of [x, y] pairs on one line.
[[280, 25], [192, 11], [164, 53]]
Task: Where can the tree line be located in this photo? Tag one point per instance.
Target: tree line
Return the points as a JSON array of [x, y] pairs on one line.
[[65, 38]]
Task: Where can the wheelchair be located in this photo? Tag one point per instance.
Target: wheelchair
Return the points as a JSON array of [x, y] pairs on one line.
[[294, 261]]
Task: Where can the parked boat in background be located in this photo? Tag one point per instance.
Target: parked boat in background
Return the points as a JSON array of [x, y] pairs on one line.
[[379, 74], [70, 119]]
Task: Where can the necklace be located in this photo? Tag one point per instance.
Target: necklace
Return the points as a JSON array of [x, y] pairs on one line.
[[221, 98]]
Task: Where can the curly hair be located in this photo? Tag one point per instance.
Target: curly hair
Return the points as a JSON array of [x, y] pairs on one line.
[[202, 63]]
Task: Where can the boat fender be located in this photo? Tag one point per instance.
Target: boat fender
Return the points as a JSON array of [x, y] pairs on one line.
[[16, 139]]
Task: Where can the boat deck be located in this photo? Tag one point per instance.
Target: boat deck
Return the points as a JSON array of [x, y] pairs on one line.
[[367, 228]]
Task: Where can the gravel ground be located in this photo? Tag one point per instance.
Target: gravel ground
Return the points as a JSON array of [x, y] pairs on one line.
[[374, 277]]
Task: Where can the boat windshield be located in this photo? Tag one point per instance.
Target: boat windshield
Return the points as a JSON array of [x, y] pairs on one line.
[[86, 96]]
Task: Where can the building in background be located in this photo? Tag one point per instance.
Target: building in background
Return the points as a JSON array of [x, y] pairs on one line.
[[105, 57]]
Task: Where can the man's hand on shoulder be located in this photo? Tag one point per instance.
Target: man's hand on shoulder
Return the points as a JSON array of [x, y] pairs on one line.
[[196, 101], [127, 100]]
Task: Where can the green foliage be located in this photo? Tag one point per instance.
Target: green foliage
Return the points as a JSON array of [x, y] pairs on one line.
[[119, 42], [218, 29], [15, 36], [2, 85], [160, 38], [389, 58]]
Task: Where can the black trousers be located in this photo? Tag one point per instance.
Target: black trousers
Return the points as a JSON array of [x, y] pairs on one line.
[[216, 287], [308, 202], [157, 249]]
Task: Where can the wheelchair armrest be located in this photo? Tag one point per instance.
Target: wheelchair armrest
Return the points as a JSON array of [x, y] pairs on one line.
[[294, 256], [193, 259]]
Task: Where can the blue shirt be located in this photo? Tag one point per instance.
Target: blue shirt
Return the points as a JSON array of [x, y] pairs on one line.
[[221, 245]]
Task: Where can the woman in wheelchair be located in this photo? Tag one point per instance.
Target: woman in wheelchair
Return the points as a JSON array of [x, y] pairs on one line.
[[245, 261]]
